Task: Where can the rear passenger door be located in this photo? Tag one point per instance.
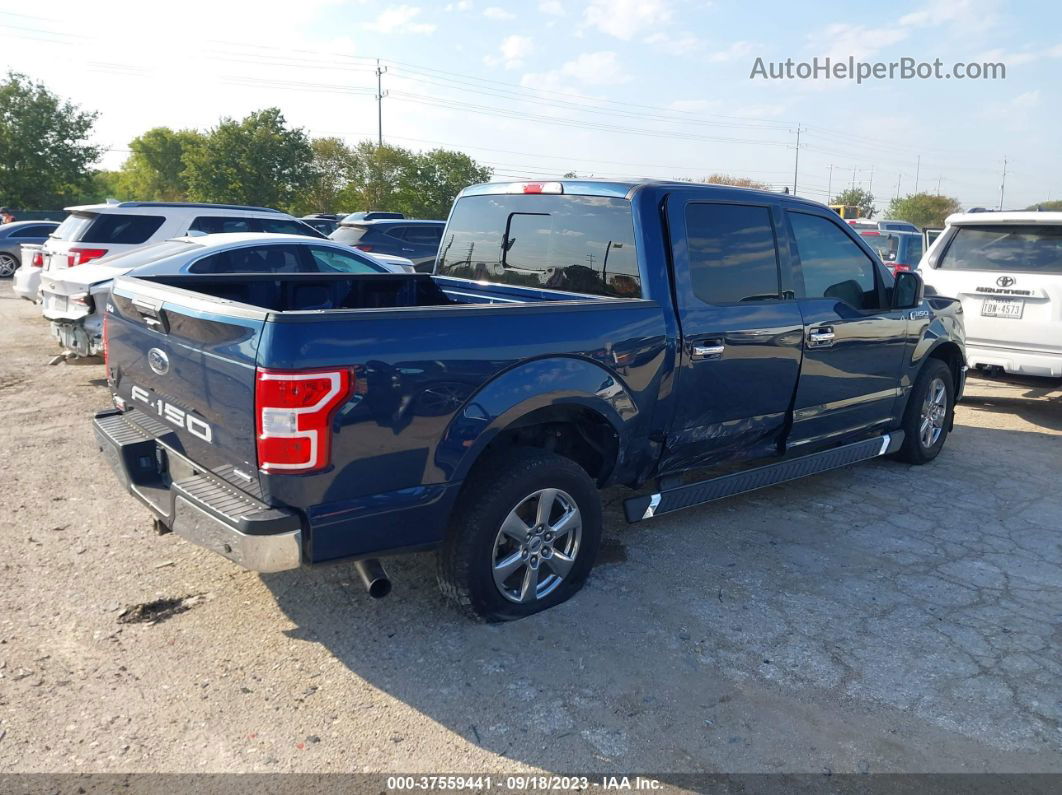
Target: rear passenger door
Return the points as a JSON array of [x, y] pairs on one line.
[[854, 343], [419, 242], [741, 329]]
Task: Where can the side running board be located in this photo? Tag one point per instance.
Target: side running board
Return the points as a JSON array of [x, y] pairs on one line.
[[650, 505]]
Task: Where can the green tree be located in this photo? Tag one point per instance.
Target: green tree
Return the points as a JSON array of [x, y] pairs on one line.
[[1055, 204], [923, 209], [334, 166], [381, 179], [857, 197], [438, 176], [44, 150], [258, 160], [155, 171]]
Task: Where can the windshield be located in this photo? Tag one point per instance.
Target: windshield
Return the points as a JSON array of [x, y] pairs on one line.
[[579, 244], [1029, 249]]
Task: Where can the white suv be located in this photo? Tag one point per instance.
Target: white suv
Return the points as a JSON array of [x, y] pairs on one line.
[[92, 231], [1006, 268]]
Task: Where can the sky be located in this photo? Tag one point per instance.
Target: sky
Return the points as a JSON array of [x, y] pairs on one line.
[[609, 88]]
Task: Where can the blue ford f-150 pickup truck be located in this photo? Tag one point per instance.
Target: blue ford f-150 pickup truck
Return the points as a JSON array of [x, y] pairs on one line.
[[574, 334]]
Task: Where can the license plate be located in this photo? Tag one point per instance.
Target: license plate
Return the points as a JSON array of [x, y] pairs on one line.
[[57, 303], [1002, 307]]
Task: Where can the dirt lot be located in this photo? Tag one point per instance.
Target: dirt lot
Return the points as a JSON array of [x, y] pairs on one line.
[[884, 618]]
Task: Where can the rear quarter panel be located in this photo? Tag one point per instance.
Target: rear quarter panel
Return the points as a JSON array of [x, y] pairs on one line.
[[433, 386]]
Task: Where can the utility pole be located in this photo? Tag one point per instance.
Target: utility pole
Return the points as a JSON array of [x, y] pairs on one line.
[[918, 167], [854, 169], [796, 159], [829, 183], [898, 178], [938, 183], [870, 187], [380, 94], [1003, 182]]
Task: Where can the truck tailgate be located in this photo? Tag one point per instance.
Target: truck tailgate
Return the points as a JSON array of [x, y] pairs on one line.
[[190, 364]]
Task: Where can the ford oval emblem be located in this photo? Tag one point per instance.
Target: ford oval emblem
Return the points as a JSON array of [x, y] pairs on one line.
[[1005, 281], [158, 361]]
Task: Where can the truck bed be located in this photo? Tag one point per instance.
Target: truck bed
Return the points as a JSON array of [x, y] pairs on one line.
[[301, 292]]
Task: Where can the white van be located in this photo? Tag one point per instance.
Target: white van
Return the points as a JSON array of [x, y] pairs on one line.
[[1006, 268]]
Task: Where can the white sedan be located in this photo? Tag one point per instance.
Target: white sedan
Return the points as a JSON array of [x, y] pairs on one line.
[[73, 298]]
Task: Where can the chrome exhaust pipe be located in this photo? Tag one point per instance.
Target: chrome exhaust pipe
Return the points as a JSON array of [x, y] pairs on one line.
[[373, 577]]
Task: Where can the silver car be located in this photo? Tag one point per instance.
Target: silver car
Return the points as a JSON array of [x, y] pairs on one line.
[[16, 234]]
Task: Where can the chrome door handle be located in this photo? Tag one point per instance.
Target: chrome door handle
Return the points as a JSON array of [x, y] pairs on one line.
[[821, 338], [708, 351]]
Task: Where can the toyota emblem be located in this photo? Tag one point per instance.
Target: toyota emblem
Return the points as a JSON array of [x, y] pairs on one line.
[[1005, 281], [158, 361]]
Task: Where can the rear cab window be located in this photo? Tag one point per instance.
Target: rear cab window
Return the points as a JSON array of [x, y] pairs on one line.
[[577, 244], [1011, 247]]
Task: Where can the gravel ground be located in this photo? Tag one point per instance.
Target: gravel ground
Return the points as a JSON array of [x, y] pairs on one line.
[[882, 618]]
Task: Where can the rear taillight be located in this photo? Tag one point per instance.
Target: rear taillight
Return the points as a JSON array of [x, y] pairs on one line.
[[38, 260], [293, 417], [897, 267], [83, 299], [363, 247], [79, 256]]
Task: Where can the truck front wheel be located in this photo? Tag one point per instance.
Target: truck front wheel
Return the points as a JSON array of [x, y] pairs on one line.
[[523, 537], [929, 413]]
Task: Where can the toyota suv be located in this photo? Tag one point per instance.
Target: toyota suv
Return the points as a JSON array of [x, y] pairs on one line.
[[1006, 268], [93, 231]]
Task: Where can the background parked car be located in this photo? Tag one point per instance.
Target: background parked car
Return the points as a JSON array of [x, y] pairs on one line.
[[325, 223], [900, 251], [371, 215], [73, 299], [897, 226], [417, 240], [27, 280], [1006, 269], [94, 231], [14, 235]]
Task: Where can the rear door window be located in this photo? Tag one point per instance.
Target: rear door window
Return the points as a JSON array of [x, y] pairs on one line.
[[33, 231], [732, 253], [115, 228], [579, 244], [1028, 249], [423, 235], [218, 224]]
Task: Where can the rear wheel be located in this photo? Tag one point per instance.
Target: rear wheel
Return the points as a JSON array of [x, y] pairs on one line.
[[523, 539], [929, 414], [8, 265]]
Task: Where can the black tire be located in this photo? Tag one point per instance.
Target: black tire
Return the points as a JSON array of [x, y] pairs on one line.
[[498, 486], [9, 263], [915, 449]]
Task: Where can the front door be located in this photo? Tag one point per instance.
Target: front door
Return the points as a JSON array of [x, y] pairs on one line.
[[854, 343], [741, 330]]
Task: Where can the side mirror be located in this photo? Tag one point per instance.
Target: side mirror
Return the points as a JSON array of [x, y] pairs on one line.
[[907, 291]]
